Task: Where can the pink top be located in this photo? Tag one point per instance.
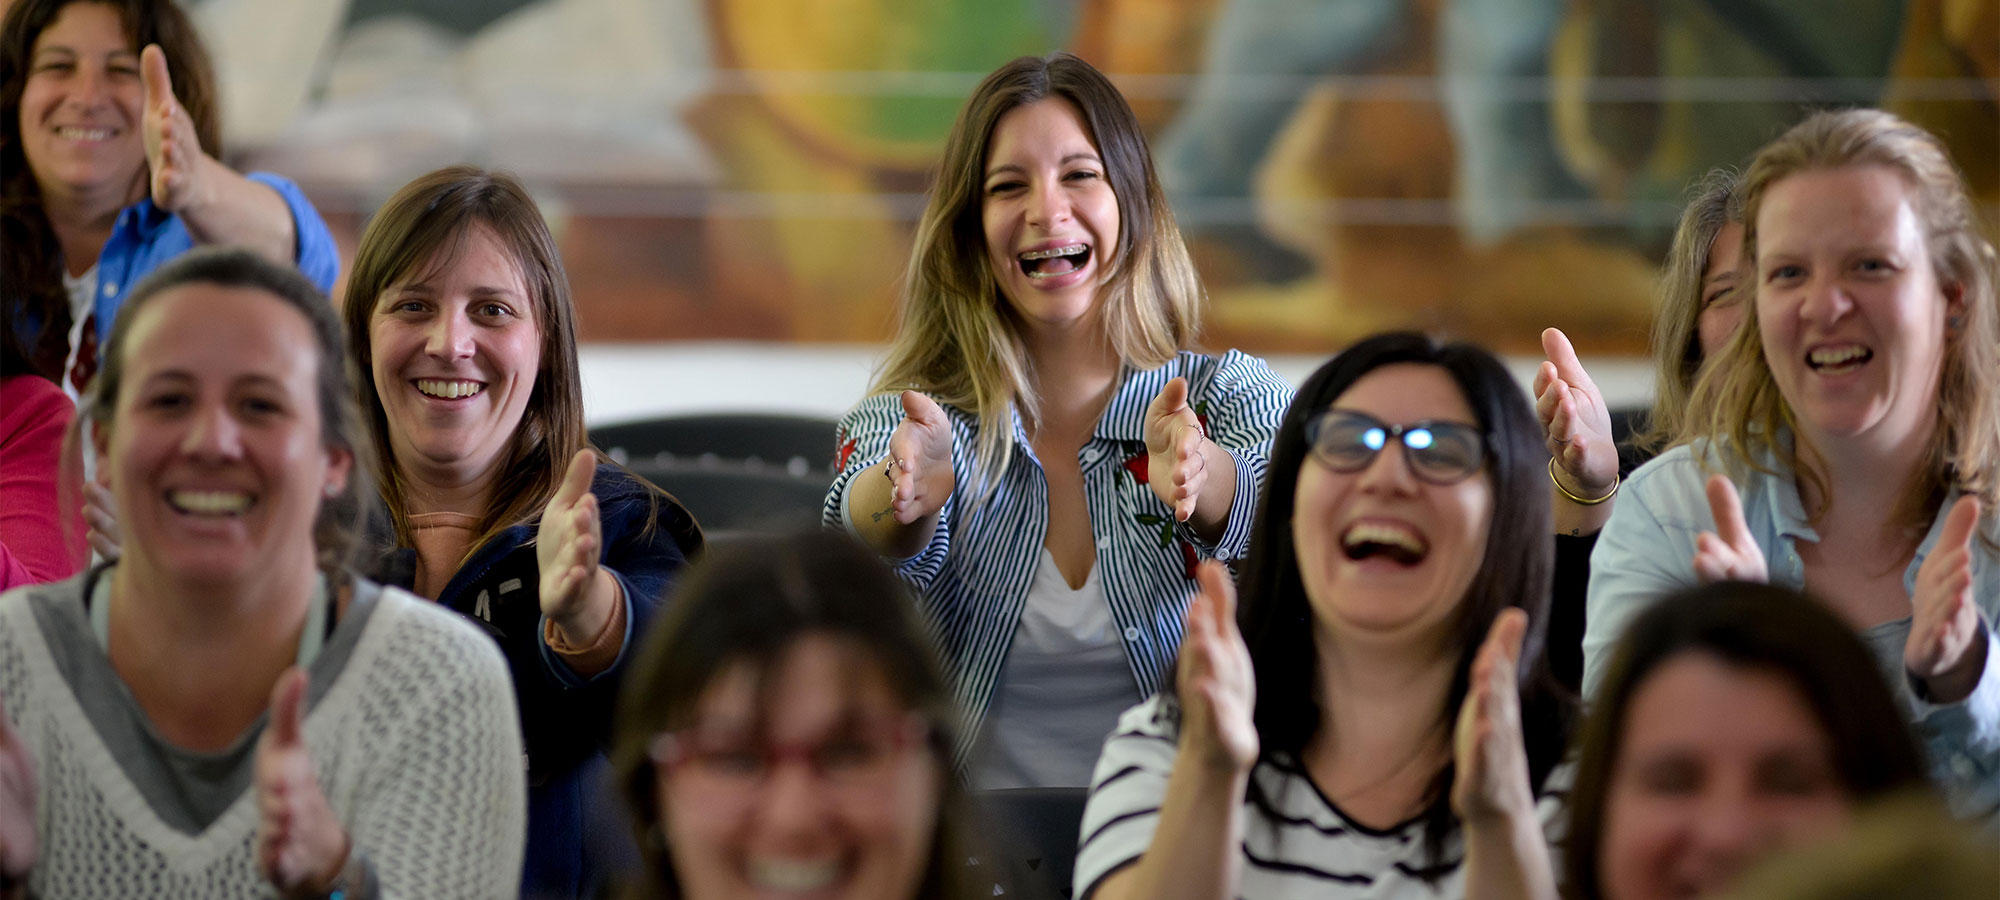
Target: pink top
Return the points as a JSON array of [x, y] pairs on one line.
[[38, 542]]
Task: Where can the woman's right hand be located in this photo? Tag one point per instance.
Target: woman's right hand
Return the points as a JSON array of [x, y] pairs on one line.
[[1575, 419], [18, 844], [1728, 553], [919, 460], [1217, 686], [100, 515]]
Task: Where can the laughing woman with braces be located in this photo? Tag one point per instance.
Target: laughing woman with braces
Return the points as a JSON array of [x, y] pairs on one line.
[[1043, 455]]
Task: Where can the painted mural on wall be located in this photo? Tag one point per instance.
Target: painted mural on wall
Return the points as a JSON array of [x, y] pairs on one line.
[[753, 168]]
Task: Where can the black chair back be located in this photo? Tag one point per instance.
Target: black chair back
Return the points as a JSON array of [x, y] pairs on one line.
[[799, 445], [1030, 838]]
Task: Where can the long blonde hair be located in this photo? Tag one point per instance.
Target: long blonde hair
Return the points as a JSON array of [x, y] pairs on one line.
[[960, 341], [1738, 399], [1716, 201]]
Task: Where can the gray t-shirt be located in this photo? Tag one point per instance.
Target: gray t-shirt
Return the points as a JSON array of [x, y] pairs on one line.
[[188, 790]]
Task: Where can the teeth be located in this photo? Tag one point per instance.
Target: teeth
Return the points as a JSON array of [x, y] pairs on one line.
[[793, 875], [1388, 535], [1053, 252], [449, 390], [210, 503], [85, 134], [1834, 357]]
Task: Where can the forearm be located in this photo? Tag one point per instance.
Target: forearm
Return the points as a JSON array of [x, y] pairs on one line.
[[1193, 854], [235, 210], [1507, 858], [1218, 494], [1573, 518], [871, 512], [583, 625]]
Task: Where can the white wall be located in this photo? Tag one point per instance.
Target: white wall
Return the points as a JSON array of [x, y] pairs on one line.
[[635, 381]]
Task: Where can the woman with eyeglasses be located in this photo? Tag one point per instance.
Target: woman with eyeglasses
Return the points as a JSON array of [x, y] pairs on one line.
[[1377, 721], [785, 732]]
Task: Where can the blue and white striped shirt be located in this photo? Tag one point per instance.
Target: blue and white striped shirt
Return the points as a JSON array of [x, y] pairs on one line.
[[974, 574]]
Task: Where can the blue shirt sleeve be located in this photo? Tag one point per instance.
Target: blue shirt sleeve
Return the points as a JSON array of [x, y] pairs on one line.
[[314, 251]]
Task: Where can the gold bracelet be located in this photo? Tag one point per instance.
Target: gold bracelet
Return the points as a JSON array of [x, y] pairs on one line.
[[1581, 501]]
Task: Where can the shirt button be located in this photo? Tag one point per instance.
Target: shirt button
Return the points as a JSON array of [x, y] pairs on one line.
[[1132, 634], [1961, 766], [1104, 542], [111, 289]]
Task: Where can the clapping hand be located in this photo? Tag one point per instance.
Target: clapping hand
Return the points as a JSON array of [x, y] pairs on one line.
[[1944, 648], [1217, 686], [919, 462], [1729, 553], [301, 846], [174, 153], [1491, 756], [1575, 419], [567, 541], [1175, 466]]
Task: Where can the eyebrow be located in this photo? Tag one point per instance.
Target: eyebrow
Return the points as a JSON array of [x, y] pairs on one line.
[[72, 51], [178, 376], [1010, 167]]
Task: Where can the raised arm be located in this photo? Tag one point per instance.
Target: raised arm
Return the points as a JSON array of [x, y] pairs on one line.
[[894, 503], [1578, 434], [218, 205]]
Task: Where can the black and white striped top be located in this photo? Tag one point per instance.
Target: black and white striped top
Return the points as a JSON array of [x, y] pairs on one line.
[[974, 574], [1309, 850]]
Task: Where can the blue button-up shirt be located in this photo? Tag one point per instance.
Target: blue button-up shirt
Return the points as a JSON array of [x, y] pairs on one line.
[[1647, 551], [145, 237]]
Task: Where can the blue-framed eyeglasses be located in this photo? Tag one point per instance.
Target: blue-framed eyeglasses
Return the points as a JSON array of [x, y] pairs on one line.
[[1441, 453]]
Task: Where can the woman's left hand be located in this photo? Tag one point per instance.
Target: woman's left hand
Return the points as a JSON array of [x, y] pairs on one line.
[[1175, 466], [173, 149], [1944, 649], [567, 541], [301, 846], [1492, 759]]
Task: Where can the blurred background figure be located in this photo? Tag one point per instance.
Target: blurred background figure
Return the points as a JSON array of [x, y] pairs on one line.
[[1734, 721], [786, 729]]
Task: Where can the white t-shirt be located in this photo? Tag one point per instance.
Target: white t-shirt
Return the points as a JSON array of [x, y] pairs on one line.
[[82, 290], [1064, 683], [1309, 850]]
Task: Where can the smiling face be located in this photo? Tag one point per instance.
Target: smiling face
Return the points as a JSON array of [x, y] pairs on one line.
[[82, 106], [455, 351], [1850, 312], [1384, 555], [1719, 765], [214, 452], [1050, 216], [849, 825], [1721, 306]]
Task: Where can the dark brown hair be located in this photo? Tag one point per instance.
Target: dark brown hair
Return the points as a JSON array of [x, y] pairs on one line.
[[752, 602], [1754, 626], [31, 260]]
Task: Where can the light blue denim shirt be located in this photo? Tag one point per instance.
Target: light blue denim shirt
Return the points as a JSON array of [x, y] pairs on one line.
[[1646, 551]]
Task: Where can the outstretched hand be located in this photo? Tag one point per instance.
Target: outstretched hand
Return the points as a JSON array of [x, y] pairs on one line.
[[18, 844], [1729, 553], [919, 463], [1217, 686], [173, 148], [1575, 420], [1490, 750], [301, 846], [1175, 466], [567, 541], [1944, 648]]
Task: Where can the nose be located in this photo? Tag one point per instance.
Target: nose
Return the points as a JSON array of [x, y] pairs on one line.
[[213, 434], [450, 336], [1389, 472], [89, 89], [1826, 300], [793, 801], [1048, 206], [1729, 832]]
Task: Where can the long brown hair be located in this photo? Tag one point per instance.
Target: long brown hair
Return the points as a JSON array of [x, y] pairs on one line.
[[1738, 398], [961, 342], [425, 225], [1677, 357], [31, 259]]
